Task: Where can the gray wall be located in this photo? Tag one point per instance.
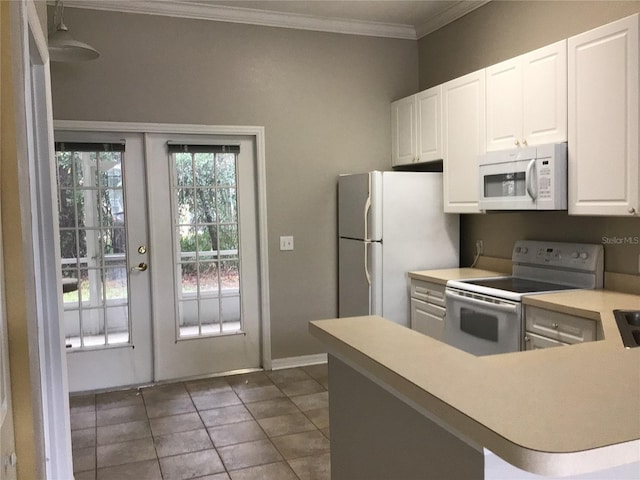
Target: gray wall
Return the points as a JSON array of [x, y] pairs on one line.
[[497, 31], [323, 99]]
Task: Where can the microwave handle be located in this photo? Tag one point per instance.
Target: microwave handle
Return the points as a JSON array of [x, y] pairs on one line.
[[529, 180]]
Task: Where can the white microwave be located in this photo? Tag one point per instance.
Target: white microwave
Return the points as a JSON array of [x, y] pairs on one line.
[[531, 178]]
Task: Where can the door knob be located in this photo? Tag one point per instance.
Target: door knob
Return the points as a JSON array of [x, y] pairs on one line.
[[141, 267]]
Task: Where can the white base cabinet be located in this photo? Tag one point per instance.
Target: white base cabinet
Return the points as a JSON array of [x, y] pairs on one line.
[[603, 120], [428, 308], [547, 328]]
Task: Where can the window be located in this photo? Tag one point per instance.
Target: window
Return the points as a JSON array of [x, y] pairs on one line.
[[207, 260], [91, 208]]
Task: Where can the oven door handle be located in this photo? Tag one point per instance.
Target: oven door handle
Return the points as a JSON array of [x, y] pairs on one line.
[[503, 307]]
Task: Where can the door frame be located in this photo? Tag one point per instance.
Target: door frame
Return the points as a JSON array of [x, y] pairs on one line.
[[261, 194]]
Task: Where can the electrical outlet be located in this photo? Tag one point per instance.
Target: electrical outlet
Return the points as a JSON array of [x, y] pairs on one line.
[[286, 243], [479, 247]]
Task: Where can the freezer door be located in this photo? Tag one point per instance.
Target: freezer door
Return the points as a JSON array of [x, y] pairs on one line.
[[359, 213], [360, 282]]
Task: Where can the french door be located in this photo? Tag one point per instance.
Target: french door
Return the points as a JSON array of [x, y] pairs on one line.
[[160, 265], [103, 244], [205, 254]]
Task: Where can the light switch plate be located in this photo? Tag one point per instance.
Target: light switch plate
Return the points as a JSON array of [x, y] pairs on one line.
[[286, 243]]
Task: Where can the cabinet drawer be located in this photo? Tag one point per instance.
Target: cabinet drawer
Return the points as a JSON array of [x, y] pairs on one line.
[[536, 342], [427, 291], [427, 318], [559, 326]]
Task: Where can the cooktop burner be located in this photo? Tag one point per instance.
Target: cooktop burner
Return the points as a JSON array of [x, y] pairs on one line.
[[518, 285]]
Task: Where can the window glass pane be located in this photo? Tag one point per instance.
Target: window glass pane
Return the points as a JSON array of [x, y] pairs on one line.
[[229, 274], [188, 318], [93, 332], [110, 172], [230, 307], [184, 169], [189, 277], [228, 238], [72, 328], [210, 315], [204, 169], [118, 325], [67, 208], [226, 169], [206, 205], [227, 211], [68, 247], [185, 206], [116, 285], [65, 169], [91, 287], [188, 246], [112, 207], [70, 285], [208, 278]]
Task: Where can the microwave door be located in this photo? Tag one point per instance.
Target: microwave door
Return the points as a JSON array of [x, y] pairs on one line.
[[508, 186]]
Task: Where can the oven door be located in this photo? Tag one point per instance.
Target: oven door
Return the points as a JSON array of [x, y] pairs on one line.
[[482, 325]]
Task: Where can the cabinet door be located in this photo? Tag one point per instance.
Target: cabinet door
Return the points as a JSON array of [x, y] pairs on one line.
[[463, 132], [603, 120], [403, 131], [544, 95], [504, 105], [427, 318], [429, 124]]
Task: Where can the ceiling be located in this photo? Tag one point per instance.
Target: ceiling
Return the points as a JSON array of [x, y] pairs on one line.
[[410, 19]]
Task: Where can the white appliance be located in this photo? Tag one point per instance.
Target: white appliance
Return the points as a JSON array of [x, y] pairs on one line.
[[531, 178], [485, 316], [388, 224]]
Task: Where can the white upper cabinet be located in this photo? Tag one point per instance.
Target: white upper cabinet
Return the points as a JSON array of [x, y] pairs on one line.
[[404, 145], [603, 120], [416, 128], [463, 134], [429, 127], [527, 99]]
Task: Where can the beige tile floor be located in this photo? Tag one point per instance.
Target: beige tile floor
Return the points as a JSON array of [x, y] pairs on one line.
[[262, 426]]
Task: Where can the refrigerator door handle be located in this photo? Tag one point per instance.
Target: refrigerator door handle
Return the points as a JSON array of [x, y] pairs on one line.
[[366, 263], [367, 207]]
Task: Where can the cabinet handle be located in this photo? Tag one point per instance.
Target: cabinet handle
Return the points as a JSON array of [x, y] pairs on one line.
[[527, 339], [554, 325], [517, 143], [524, 143], [631, 210]]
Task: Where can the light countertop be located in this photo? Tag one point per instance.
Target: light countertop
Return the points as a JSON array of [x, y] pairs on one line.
[[556, 411], [442, 276]]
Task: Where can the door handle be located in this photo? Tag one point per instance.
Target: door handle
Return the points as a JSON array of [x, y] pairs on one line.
[[529, 180], [141, 267]]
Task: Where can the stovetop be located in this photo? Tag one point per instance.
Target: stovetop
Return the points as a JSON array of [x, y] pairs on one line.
[[518, 285]]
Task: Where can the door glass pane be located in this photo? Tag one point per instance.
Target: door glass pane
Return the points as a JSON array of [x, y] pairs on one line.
[[207, 259], [91, 217]]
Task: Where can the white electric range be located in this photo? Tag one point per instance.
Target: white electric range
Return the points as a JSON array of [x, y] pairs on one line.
[[485, 316]]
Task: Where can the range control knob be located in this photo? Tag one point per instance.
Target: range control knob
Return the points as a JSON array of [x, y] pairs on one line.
[[584, 255], [575, 255], [524, 250]]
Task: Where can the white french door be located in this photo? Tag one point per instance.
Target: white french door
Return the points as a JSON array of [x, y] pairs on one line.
[[204, 255], [160, 255], [104, 242]]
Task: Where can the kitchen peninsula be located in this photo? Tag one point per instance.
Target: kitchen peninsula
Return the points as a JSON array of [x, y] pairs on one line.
[[404, 405]]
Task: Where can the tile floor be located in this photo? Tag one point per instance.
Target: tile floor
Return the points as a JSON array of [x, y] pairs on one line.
[[263, 425]]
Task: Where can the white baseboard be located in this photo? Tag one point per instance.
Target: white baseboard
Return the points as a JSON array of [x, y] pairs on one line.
[[302, 361]]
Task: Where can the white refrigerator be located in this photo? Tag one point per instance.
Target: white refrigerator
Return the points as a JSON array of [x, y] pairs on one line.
[[388, 224]]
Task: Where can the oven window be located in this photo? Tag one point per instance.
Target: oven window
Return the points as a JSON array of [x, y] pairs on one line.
[[504, 185], [479, 325]]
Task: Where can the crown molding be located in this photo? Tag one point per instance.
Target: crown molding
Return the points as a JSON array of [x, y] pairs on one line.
[[451, 14], [221, 13]]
